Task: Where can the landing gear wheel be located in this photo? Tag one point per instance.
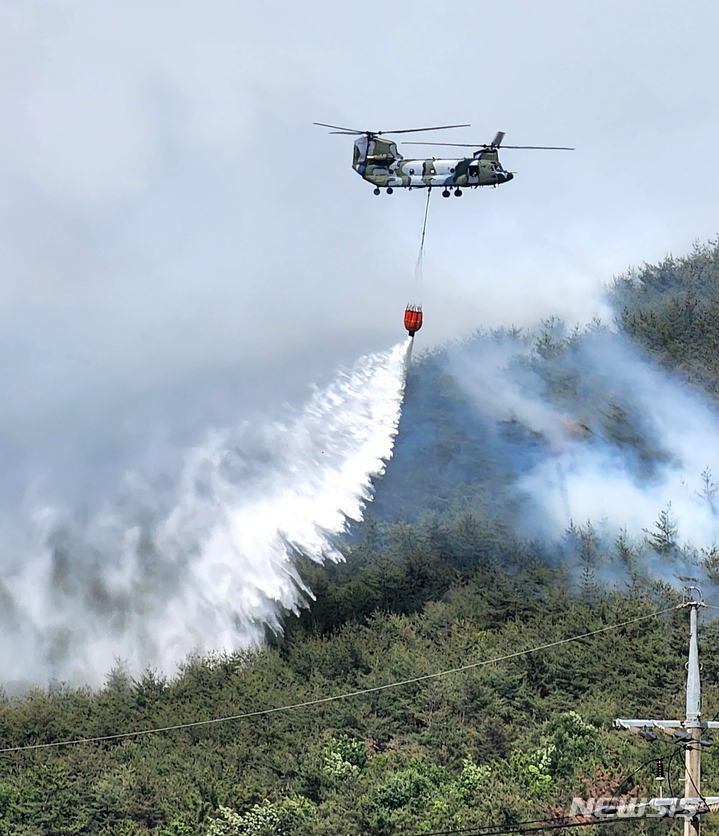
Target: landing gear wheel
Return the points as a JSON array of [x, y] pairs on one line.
[[376, 191], [458, 192], [445, 193], [389, 189]]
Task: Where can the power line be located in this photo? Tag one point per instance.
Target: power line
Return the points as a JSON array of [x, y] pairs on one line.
[[669, 770], [563, 825], [623, 782], [537, 825], [487, 828], [541, 828], [543, 823], [335, 697]]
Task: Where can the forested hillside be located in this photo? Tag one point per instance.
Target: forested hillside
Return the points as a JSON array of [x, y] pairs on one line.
[[451, 568], [490, 424], [511, 741], [671, 310]]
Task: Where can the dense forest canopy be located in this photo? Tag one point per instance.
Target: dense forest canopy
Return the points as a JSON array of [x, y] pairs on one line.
[[671, 310], [457, 562]]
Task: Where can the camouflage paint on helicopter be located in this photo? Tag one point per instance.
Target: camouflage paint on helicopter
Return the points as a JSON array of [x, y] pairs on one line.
[[379, 162]]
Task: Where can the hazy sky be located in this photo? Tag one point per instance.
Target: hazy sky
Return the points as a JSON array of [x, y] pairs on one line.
[[180, 244]]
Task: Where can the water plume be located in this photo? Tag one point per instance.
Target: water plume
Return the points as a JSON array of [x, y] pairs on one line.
[[214, 568]]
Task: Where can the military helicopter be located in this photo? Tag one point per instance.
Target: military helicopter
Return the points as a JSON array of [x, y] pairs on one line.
[[379, 162]]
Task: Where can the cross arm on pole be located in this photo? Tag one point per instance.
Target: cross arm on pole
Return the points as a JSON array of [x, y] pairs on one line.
[[664, 725]]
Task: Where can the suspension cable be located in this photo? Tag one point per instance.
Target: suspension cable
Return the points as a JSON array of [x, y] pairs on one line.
[[420, 256]]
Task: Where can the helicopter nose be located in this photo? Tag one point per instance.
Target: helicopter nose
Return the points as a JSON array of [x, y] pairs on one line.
[[509, 176]]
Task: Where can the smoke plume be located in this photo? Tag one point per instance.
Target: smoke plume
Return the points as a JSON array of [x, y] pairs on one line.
[[585, 428]]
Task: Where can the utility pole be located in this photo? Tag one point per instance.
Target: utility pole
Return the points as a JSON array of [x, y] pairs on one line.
[[693, 754], [688, 731]]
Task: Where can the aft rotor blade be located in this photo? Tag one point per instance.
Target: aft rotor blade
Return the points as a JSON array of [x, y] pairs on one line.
[[496, 147], [453, 144], [338, 128], [418, 130], [540, 147]]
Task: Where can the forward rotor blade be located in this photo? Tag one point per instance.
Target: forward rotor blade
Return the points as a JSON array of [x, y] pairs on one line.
[[338, 128], [418, 130]]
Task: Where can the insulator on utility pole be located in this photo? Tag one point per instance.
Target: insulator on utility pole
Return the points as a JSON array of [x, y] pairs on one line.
[[659, 775]]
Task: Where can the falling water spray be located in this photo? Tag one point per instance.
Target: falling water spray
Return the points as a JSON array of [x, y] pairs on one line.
[[214, 570]]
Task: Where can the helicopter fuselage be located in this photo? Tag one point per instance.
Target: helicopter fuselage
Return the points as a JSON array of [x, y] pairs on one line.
[[378, 161]]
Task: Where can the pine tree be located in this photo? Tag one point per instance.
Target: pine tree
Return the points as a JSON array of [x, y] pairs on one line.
[[663, 539], [709, 489]]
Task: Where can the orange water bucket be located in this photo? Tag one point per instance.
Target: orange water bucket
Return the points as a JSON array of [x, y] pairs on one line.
[[413, 319]]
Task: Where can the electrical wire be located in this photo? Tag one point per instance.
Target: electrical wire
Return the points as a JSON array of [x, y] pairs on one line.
[[622, 783], [539, 825], [492, 829], [487, 828], [675, 754], [545, 823], [669, 772], [335, 697], [696, 788], [562, 825], [672, 755]]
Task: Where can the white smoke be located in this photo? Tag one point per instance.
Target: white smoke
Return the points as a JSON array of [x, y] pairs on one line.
[[211, 572], [584, 473]]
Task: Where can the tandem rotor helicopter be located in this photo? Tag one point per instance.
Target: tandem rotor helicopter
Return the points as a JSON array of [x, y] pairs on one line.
[[379, 162]]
